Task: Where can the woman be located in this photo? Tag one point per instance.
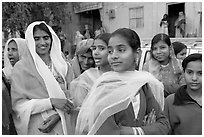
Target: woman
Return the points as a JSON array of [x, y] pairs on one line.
[[164, 24], [40, 83], [180, 25], [81, 86], [180, 50], [15, 49], [164, 65], [83, 59], [120, 99]]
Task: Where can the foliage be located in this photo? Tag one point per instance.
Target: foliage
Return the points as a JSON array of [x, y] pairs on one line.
[[16, 16]]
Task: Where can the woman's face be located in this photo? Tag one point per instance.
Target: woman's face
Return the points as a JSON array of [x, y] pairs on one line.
[[42, 42], [100, 52], [121, 56], [182, 54], [13, 55], [161, 52]]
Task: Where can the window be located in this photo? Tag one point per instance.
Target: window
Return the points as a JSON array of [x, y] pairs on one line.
[[136, 17]]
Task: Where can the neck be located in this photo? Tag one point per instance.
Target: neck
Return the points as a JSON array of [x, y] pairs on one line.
[[105, 68], [46, 58], [165, 62], [194, 94]]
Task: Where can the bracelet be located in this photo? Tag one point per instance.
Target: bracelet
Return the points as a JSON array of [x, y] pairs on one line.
[[135, 132]]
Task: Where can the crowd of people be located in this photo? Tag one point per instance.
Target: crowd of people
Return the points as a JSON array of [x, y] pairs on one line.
[[99, 91]]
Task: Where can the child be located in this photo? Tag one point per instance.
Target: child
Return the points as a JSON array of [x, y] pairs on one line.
[[120, 100], [164, 65], [184, 108], [180, 50]]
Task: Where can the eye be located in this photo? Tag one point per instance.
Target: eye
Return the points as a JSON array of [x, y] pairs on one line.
[[199, 73], [46, 37], [36, 38], [154, 48], [110, 51], [121, 49], [15, 49], [189, 72]]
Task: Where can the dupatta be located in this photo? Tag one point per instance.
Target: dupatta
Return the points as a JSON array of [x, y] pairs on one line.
[[154, 67], [112, 93], [37, 68], [22, 50]]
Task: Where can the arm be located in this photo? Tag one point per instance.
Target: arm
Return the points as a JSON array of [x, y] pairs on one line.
[[161, 126]]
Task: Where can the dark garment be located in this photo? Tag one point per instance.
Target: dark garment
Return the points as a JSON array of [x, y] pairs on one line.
[[8, 127], [127, 117], [184, 113]]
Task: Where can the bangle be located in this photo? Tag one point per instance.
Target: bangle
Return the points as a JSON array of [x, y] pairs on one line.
[[135, 132], [140, 131]]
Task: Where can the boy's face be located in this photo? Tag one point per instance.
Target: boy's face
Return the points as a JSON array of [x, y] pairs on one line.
[[193, 75]]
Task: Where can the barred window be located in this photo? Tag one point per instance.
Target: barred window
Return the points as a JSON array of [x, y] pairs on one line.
[[136, 17]]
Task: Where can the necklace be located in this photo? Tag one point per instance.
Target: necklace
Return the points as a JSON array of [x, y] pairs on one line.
[[49, 65]]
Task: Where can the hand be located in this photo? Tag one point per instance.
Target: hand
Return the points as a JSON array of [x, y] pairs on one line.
[[64, 104], [150, 118], [49, 123], [126, 130]]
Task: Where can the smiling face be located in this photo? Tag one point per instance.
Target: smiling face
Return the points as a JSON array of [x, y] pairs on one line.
[[161, 52], [193, 75], [13, 55], [86, 60], [42, 42], [100, 52], [121, 56]]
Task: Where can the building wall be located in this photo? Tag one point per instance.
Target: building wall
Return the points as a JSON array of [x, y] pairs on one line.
[[153, 13]]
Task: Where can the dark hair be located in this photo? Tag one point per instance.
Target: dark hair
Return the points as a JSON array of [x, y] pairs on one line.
[[104, 36], [43, 27], [12, 41], [160, 37], [131, 37], [178, 47], [191, 57]]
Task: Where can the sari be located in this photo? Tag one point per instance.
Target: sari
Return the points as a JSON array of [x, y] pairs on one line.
[[112, 93], [33, 84], [22, 49], [180, 25]]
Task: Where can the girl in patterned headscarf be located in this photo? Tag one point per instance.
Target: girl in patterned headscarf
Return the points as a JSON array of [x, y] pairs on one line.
[[164, 65]]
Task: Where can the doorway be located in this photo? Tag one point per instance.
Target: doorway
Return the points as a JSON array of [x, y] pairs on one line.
[[173, 12], [91, 18]]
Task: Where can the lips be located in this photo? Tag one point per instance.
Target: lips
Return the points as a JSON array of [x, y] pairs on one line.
[[194, 84], [97, 60], [115, 63]]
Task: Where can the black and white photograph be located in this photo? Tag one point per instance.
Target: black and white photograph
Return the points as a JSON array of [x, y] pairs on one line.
[[101, 68]]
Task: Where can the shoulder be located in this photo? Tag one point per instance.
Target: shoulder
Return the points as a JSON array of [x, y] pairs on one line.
[[20, 65], [170, 99]]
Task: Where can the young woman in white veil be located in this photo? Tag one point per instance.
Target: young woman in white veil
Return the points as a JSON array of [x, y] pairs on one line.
[[123, 101], [40, 83]]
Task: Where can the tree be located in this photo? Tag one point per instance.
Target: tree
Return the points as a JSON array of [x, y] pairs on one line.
[[16, 16]]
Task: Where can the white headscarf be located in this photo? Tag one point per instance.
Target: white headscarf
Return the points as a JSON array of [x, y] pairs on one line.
[[22, 49], [53, 88]]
